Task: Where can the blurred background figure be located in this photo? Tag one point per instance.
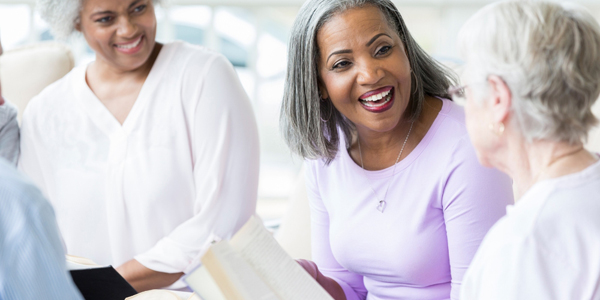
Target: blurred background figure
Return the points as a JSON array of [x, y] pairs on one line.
[[531, 76], [33, 259]]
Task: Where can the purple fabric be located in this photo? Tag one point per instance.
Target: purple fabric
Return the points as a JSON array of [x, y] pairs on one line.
[[440, 205]]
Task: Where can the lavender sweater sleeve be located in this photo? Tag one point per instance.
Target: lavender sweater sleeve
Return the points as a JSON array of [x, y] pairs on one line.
[[473, 199]]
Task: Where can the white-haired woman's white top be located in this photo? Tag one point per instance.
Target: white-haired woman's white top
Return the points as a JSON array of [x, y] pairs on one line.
[[182, 169], [546, 247]]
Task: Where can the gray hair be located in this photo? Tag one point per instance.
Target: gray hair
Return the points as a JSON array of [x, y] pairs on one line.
[[548, 54], [62, 15], [303, 112]]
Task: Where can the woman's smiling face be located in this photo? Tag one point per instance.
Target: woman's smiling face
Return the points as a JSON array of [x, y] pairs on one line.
[[364, 69], [121, 32]]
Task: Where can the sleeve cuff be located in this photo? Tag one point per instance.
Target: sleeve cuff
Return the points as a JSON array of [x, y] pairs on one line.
[[166, 256], [169, 257]]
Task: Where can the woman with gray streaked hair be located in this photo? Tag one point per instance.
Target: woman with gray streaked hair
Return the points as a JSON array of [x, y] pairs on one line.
[[148, 153], [532, 74], [399, 203]]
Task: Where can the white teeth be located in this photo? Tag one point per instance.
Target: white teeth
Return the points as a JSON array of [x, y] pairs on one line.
[[130, 46], [377, 96], [387, 99]]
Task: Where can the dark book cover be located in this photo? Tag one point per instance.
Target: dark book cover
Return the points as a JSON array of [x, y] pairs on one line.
[[102, 284]]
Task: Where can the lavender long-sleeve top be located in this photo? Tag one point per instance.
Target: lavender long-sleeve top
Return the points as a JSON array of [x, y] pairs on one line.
[[440, 204]]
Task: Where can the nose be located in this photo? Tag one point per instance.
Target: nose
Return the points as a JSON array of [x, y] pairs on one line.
[[370, 73], [126, 28]]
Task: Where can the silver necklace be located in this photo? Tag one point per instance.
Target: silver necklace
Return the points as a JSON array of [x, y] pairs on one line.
[[381, 203]]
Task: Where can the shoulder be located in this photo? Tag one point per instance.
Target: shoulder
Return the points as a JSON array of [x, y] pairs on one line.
[[449, 137], [568, 219], [57, 94], [452, 118], [553, 222], [7, 111], [315, 166], [18, 195], [8, 114], [462, 172], [194, 59], [197, 68]]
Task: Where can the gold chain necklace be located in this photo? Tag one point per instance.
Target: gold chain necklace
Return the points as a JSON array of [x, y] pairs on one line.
[[381, 203]]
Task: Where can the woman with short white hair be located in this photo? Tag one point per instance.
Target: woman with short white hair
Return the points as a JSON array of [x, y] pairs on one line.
[[532, 74], [149, 152]]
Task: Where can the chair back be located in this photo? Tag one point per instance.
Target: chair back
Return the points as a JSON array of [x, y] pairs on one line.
[[26, 71]]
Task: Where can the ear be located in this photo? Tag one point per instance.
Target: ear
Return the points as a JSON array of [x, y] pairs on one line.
[[323, 90], [78, 25], [501, 101]]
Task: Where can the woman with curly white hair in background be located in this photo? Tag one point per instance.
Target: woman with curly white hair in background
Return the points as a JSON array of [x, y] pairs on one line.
[[532, 74], [149, 152]]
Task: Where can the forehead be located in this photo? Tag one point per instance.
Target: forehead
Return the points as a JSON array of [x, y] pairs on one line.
[[353, 27], [107, 5]]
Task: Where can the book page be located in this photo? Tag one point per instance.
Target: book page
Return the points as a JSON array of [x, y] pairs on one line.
[[282, 273], [80, 263], [204, 285], [235, 277]]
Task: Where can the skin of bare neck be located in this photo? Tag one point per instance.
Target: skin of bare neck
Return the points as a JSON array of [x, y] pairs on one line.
[[380, 149], [530, 162], [118, 89]]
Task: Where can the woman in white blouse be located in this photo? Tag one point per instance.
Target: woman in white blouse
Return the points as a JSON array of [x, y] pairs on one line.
[[532, 74], [148, 153]]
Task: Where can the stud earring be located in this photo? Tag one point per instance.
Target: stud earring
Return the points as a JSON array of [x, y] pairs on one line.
[[500, 130]]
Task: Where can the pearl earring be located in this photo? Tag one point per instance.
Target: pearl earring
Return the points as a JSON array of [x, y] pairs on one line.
[[500, 130]]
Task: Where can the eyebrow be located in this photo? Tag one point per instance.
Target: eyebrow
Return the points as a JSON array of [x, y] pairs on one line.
[[376, 37], [134, 3], [338, 52], [350, 51], [109, 12], [101, 13]]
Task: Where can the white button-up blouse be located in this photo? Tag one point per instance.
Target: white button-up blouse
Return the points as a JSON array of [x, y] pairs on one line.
[[181, 170]]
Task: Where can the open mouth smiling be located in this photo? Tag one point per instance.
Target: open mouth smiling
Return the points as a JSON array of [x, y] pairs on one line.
[[378, 100]]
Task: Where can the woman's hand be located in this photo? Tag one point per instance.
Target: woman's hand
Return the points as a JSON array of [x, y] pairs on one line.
[[143, 279], [330, 285]]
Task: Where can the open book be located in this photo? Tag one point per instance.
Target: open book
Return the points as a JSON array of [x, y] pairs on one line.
[[252, 266]]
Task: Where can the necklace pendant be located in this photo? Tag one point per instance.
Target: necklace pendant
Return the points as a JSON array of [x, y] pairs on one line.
[[381, 206]]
